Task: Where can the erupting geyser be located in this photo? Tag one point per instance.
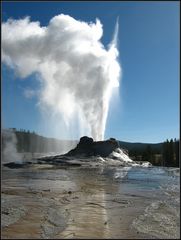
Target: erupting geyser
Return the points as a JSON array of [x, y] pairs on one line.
[[76, 71]]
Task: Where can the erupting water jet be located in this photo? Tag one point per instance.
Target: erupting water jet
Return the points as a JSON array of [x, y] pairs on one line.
[[77, 72]]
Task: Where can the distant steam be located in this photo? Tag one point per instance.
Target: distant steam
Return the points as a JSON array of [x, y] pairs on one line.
[[9, 149], [76, 71]]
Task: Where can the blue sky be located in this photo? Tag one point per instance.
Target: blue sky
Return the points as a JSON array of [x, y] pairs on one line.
[[148, 110]]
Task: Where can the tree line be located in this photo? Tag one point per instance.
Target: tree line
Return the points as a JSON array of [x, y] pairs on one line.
[[32, 142], [167, 155], [170, 153]]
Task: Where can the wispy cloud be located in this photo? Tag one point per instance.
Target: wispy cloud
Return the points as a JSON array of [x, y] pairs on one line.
[[29, 93]]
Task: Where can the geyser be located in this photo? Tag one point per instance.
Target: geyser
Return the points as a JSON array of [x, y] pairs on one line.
[[9, 151], [76, 71]]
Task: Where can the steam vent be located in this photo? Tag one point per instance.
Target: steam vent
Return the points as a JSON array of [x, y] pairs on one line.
[[88, 147]]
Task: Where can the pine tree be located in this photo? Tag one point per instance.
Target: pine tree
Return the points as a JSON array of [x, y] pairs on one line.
[[176, 148], [171, 153], [147, 154]]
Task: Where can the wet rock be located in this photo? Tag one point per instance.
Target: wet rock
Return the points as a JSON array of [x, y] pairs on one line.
[[46, 190], [163, 218], [87, 147], [85, 141], [11, 213], [15, 165], [55, 222]]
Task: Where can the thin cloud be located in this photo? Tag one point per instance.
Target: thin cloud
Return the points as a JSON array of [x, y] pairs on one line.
[[29, 93]]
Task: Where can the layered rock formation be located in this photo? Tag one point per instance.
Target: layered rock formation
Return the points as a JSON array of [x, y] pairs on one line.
[[87, 152], [87, 147]]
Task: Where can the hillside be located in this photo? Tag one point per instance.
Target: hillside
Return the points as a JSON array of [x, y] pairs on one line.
[[32, 142], [140, 146], [26, 141]]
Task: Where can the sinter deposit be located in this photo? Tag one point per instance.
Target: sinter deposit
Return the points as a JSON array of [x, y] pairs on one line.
[[90, 153]]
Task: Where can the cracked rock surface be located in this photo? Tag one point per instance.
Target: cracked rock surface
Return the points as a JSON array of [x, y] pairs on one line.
[[80, 202]]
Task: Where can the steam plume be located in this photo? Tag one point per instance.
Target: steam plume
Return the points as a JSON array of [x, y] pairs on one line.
[[77, 72], [9, 151]]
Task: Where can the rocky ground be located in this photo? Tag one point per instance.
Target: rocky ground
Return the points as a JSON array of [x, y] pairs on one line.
[[43, 201]]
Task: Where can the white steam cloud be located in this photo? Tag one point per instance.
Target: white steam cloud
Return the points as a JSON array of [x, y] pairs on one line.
[[77, 72], [9, 149]]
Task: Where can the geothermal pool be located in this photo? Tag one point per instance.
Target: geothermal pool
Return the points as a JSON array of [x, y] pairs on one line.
[[46, 201]]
